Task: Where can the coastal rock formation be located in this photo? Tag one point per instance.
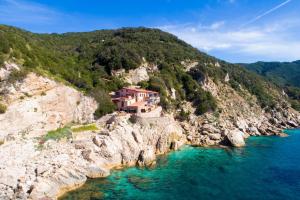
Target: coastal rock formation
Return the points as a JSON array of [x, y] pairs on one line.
[[37, 104], [236, 113], [236, 138], [38, 171], [58, 166]]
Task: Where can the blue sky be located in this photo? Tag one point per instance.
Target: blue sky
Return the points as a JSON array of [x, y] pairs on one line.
[[233, 30]]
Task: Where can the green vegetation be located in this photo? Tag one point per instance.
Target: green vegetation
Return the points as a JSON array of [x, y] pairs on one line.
[[183, 115], [90, 127], [239, 76], [3, 108], [86, 61], [282, 74], [17, 75], [57, 134], [105, 105]]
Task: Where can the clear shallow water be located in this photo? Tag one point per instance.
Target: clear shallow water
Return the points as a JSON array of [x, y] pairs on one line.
[[268, 168]]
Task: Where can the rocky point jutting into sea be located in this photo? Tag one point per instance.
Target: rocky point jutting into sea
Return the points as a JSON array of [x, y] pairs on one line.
[[31, 169], [59, 126]]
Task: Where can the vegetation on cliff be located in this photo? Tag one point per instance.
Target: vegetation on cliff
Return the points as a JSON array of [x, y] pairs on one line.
[[86, 61]]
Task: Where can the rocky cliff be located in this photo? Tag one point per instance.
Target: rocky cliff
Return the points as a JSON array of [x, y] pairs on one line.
[[239, 116], [32, 169], [47, 142], [37, 105], [28, 172]]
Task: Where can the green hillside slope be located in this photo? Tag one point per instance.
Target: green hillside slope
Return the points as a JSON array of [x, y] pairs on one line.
[[86, 60], [283, 74]]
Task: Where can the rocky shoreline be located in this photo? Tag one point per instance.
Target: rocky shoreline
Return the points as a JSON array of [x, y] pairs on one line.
[[34, 169], [61, 166]]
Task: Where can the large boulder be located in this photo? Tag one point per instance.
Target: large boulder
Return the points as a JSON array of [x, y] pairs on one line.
[[146, 157], [236, 138]]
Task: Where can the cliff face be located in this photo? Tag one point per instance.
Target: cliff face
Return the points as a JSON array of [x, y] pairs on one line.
[[37, 105], [239, 112]]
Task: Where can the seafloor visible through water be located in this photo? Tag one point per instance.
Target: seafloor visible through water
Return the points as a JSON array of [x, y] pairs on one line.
[[267, 168]]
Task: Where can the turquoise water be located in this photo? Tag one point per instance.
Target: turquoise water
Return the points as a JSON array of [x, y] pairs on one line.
[[268, 168]]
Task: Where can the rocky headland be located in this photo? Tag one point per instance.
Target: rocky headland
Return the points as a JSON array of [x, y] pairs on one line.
[[54, 88], [34, 169]]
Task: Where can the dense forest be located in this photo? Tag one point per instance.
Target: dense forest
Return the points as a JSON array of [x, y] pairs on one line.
[[284, 74], [85, 61]]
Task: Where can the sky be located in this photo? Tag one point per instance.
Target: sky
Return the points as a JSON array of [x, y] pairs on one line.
[[232, 30]]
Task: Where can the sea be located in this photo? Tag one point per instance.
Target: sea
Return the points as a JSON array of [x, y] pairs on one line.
[[267, 168]]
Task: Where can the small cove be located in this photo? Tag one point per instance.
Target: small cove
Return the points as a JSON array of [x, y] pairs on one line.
[[267, 168]]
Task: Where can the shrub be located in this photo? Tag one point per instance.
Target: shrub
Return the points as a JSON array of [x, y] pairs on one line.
[[57, 134], [3, 108], [295, 104], [105, 105], [17, 75], [90, 127], [204, 102], [1, 60], [183, 115]]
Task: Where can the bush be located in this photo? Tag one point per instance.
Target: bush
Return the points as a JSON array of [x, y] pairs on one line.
[[1, 60], [105, 105], [183, 116], [3, 108], [91, 127], [17, 75], [4, 45], [204, 102], [295, 104], [56, 135]]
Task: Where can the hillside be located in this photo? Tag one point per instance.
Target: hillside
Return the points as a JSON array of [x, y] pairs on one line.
[[283, 74], [55, 128], [87, 60]]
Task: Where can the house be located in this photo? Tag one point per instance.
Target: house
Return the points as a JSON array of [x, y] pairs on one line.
[[135, 100]]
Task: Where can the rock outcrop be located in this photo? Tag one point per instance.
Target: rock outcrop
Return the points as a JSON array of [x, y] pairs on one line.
[[137, 75], [236, 138], [37, 104], [134, 76], [237, 112], [30, 169], [35, 173], [6, 70]]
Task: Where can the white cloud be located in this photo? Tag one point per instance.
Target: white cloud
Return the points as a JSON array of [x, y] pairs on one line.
[[272, 42]]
